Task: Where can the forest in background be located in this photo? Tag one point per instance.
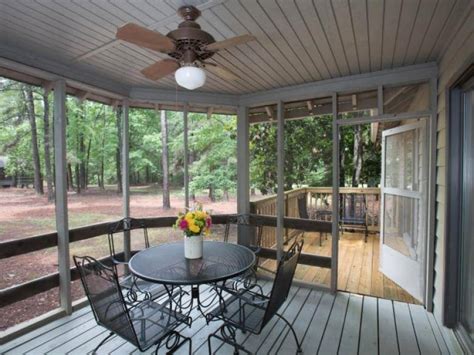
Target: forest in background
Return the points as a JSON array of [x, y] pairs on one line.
[[156, 148]]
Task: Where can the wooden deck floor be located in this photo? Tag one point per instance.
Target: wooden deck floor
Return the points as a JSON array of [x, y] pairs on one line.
[[358, 267], [327, 324]]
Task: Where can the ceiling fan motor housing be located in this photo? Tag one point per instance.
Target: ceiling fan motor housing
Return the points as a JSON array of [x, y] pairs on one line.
[[189, 37]]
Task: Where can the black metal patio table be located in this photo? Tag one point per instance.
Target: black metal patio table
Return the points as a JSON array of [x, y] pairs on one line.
[[165, 264]]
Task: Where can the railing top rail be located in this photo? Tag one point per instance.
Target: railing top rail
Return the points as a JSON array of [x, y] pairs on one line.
[[342, 190], [26, 245]]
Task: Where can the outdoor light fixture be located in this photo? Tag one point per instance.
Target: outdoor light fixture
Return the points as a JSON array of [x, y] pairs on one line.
[[190, 77]]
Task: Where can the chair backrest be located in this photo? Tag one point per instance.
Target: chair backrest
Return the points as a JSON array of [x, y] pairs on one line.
[[241, 219], [105, 297], [353, 206], [283, 280], [125, 225], [302, 207]]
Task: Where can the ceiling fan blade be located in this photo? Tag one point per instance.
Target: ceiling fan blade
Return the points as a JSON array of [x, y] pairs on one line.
[[144, 37], [230, 42], [160, 69], [219, 71]]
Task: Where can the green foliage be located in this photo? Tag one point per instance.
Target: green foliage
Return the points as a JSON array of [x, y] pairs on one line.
[[213, 143], [93, 145]]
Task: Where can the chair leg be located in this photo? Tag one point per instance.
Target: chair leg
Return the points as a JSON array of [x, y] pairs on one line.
[[320, 237], [298, 345], [111, 334], [226, 334], [173, 342]]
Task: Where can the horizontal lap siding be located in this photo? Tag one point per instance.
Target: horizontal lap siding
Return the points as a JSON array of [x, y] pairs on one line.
[[457, 54]]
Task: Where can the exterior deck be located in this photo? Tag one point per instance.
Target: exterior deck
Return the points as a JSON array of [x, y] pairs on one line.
[[328, 324], [358, 266]]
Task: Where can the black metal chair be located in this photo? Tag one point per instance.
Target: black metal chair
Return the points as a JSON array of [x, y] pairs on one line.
[[303, 213], [249, 279], [134, 286], [250, 311], [353, 213], [144, 324]]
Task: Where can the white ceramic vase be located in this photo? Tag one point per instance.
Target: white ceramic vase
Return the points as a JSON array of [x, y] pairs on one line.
[[193, 247]]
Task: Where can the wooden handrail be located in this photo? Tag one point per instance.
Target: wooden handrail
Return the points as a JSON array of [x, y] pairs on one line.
[[27, 245], [28, 289]]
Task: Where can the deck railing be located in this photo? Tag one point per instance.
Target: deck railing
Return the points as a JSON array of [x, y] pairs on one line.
[[22, 246], [317, 199]]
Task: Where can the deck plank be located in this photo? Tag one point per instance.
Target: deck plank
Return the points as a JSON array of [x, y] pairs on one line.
[[333, 332], [368, 342], [424, 332], [325, 323], [279, 332], [387, 331], [48, 331], [318, 324], [350, 333], [301, 323], [253, 342], [405, 331]]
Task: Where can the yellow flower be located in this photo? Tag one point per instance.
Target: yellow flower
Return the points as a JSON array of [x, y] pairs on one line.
[[193, 228]]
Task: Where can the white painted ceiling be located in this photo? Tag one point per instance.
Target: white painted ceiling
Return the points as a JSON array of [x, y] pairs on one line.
[[298, 41]]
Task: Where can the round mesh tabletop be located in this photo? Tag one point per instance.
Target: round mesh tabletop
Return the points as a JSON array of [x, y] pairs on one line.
[[166, 263]]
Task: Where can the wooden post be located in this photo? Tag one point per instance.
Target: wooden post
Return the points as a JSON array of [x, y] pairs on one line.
[[335, 195], [186, 157], [280, 178], [244, 235], [431, 230], [126, 177], [60, 148]]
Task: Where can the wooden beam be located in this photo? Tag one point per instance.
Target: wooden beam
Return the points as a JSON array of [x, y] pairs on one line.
[[280, 178], [126, 177], [354, 102], [374, 131], [186, 157], [82, 95], [48, 86], [305, 259], [295, 113], [269, 112], [335, 195], [60, 183], [360, 82], [244, 235]]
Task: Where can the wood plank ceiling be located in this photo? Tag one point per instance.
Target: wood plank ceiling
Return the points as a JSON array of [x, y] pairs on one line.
[[298, 41]]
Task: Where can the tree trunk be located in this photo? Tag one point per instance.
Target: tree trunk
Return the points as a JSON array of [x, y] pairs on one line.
[[70, 182], [118, 150], [47, 146], [86, 169], [164, 160], [78, 178], [192, 158], [357, 159], [211, 193], [30, 105], [102, 185], [342, 160]]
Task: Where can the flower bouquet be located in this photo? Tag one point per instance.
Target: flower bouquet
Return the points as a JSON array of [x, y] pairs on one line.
[[195, 223]]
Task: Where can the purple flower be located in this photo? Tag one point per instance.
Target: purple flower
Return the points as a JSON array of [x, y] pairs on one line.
[[183, 224]]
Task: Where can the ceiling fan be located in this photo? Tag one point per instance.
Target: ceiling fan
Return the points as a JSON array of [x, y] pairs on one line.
[[188, 45]]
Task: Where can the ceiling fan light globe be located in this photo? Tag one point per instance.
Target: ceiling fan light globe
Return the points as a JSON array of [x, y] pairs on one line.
[[190, 77]]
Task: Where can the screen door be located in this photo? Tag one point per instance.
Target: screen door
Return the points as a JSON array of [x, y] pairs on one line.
[[404, 206]]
